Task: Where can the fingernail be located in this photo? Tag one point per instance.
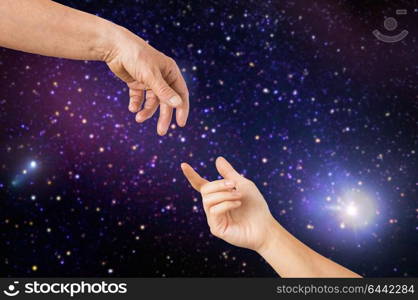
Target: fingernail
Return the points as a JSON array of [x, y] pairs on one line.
[[175, 100], [161, 132], [182, 123], [229, 183]]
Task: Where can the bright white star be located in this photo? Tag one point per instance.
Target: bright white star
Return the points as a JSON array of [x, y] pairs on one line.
[[357, 207], [354, 208], [351, 210]]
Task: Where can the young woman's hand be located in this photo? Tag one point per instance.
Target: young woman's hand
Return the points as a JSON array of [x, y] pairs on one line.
[[237, 213], [235, 209], [144, 68]]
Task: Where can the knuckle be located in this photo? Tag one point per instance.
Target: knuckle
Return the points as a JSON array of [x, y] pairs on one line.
[[249, 183], [171, 62], [171, 70], [148, 74], [164, 89]]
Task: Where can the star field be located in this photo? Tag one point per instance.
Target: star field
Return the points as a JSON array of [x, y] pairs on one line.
[[302, 99]]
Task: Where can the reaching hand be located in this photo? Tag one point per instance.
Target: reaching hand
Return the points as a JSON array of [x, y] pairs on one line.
[[235, 209], [69, 33], [144, 68]]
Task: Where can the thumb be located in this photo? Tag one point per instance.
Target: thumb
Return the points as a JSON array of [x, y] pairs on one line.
[[164, 92], [225, 169]]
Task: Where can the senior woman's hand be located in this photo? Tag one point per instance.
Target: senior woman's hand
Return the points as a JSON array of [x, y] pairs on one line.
[[49, 28], [144, 68]]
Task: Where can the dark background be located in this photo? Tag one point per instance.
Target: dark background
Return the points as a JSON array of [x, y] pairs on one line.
[[298, 95]]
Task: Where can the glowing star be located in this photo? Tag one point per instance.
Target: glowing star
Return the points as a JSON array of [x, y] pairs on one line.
[[358, 208], [33, 164], [355, 208], [351, 210]]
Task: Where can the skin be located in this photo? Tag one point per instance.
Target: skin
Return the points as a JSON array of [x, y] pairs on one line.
[[237, 212], [48, 28], [235, 209]]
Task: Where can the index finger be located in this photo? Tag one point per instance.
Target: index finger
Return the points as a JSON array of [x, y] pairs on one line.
[[193, 177]]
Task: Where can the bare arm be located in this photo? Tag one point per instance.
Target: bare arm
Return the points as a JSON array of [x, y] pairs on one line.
[[237, 213], [48, 28], [289, 257]]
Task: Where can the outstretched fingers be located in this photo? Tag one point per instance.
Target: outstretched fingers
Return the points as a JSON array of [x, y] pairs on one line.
[[193, 177], [225, 169]]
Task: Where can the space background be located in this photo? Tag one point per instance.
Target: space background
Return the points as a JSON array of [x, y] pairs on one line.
[[298, 95]]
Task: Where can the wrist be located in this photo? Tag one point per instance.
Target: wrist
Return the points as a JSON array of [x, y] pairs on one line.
[[108, 39], [272, 238], [103, 41]]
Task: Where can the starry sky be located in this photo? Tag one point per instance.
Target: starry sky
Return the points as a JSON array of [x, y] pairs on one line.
[[302, 99]]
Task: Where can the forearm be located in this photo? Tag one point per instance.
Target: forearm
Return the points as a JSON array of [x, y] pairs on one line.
[[291, 258], [48, 28]]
